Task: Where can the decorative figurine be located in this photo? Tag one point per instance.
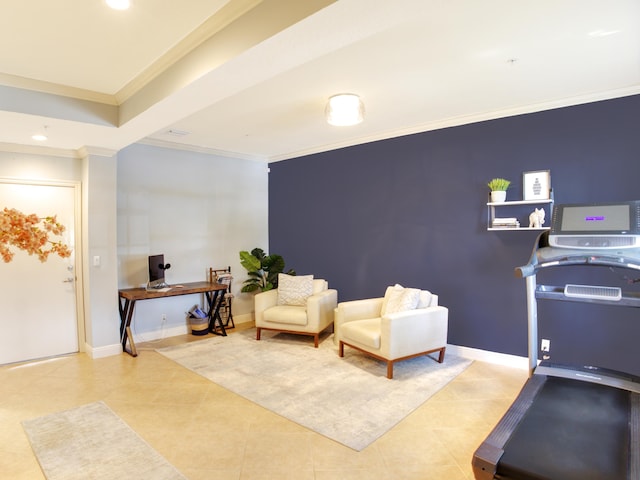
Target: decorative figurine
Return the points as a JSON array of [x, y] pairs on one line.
[[536, 218]]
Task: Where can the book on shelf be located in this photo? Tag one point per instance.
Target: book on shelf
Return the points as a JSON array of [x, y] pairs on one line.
[[509, 222]]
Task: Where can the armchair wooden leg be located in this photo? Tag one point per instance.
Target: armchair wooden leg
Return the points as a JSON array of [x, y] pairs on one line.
[[390, 370], [341, 349], [258, 330], [316, 338], [441, 356]]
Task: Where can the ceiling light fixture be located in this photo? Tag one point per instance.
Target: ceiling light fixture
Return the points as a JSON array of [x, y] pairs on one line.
[[119, 4], [344, 109], [40, 136]]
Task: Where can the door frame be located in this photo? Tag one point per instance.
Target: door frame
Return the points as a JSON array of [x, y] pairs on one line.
[[77, 239]]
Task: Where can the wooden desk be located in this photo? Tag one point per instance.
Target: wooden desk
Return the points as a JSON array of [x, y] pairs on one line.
[[127, 297]]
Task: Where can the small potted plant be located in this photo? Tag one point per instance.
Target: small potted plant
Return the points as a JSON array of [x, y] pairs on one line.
[[498, 187]]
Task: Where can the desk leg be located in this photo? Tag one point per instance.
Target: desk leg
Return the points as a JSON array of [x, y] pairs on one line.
[[126, 314], [214, 312]]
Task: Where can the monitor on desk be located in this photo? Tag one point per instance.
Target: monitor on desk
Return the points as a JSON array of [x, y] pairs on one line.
[[157, 268]]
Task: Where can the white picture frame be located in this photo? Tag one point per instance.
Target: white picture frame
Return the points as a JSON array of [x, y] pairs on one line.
[[536, 185]]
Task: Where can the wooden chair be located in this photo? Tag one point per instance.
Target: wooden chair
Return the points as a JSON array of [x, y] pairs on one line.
[[223, 276]]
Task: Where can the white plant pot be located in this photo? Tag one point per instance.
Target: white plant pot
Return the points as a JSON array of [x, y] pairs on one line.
[[498, 196]]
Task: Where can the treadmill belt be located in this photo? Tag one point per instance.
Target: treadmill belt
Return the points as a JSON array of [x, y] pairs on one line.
[[573, 430]]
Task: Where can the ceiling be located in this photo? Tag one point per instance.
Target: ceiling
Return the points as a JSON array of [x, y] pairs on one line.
[[250, 78]]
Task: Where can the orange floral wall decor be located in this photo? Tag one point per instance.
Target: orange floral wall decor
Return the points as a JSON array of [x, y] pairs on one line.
[[31, 234]]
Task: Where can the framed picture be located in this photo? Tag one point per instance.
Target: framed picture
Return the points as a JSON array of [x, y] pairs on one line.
[[536, 185]]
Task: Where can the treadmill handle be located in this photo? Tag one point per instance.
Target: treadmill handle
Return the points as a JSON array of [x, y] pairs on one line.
[[525, 271]]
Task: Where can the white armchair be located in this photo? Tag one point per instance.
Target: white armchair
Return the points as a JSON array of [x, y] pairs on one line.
[[292, 310], [396, 327]]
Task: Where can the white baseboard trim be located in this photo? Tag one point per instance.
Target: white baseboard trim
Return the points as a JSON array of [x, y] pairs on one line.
[[489, 357], [161, 333], [244, 318], [101, 352]]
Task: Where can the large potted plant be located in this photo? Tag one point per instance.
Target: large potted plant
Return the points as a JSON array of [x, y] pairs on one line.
[[263, 270], [498, 187]]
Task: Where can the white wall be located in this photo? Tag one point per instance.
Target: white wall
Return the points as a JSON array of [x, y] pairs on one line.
[[102, 319], [32, 166], [199, 211], [98, 292]]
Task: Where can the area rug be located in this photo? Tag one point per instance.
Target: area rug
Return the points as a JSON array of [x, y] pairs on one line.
[[91, 441], [349, 400]]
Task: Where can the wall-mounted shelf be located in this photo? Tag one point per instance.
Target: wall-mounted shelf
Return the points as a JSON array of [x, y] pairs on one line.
[[521, 216]]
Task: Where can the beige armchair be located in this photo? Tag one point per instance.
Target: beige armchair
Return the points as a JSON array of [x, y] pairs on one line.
[[300, 305], [406, 323]]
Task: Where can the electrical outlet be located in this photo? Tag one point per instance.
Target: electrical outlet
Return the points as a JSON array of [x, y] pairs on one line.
[[545, 345]]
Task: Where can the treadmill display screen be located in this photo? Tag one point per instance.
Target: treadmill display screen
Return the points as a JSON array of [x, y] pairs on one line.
[[596, 218], [596, 226]]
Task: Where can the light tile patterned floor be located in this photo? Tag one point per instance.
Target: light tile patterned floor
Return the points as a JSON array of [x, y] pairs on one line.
[[209, 433]]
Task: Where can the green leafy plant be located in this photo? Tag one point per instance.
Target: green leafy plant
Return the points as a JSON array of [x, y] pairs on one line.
[[499, 185], [263, 270]]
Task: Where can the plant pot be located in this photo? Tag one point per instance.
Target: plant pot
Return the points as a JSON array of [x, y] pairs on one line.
[[498, 196]]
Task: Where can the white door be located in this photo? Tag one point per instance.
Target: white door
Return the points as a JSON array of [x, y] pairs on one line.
[[38, 316]]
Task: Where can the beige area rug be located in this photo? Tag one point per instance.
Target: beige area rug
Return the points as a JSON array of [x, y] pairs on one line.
[[348, 399], [92, 442]]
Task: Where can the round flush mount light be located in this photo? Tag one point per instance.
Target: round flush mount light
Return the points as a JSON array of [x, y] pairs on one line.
[[119, 4], [344, 109], [40, 136]]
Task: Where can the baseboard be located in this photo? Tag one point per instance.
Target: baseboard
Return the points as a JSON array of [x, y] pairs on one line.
[[244, 318], [489, 357], [161, 333], [181, 330], [101, 352]]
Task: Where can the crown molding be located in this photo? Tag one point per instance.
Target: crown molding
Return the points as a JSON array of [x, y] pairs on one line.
[[56, 89], [465, 120], [88, 150], [38, 150], [214, 24], [152, 142]]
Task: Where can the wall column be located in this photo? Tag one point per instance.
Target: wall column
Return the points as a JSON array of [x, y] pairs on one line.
[[100, 272]]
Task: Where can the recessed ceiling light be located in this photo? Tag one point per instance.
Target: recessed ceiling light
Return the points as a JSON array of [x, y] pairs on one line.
[[119, 4]]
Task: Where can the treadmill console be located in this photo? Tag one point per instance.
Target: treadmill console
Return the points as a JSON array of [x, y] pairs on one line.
[[595, 226]]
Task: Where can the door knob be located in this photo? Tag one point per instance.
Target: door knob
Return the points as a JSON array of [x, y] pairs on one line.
[[68, 280]]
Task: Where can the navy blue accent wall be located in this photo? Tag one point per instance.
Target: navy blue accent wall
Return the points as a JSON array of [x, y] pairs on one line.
[[412, 210]]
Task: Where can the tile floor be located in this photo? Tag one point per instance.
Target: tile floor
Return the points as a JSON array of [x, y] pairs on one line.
[[209, 433]]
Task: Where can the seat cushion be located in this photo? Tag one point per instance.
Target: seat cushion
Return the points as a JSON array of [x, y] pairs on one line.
[[366, 332], [288, 314]]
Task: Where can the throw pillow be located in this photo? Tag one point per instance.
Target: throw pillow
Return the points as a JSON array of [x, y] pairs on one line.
[[425, 299], [401, 299], [387, 295], [294, 290]]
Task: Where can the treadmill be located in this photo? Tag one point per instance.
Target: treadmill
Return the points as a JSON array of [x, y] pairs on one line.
[[572, 422]]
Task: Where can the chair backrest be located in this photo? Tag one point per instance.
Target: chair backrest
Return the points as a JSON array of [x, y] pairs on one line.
[[427, 299], [222, 276], [319, 285]]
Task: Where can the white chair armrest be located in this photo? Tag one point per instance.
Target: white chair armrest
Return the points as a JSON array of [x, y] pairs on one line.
[[355, 310], [420, 330], [264, 300], [320, 308], [359, 309]]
